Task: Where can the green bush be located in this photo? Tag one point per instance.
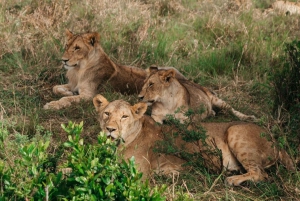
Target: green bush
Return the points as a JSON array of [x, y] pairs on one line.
[[286, 81], [177, 135], [95, 172]]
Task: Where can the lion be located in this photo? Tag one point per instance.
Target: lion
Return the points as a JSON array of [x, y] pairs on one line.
[[286, 7], [169, 95], [89, 69], [241, 143]]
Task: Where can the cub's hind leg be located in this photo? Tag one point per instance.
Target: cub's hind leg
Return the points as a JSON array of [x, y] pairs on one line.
[[254, 152], [254, 173], [219, 103]]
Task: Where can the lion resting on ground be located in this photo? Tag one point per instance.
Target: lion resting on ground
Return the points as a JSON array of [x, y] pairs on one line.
[[285, 7], [89, 69], [240, 143], [169, 95]]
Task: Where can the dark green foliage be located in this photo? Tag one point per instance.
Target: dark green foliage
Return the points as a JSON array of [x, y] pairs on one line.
[[287, 87], [177, 136], [95, 173], [287, 80]]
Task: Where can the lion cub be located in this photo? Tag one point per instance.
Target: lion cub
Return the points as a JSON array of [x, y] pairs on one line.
[[169, 95], [240, 143]]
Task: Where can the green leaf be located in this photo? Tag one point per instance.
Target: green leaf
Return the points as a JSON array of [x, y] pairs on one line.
[[81, 179], [109, 187], [94, 162], [68, 144], [70, 138], [106, 180]]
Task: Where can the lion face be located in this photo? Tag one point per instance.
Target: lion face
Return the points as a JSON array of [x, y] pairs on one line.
[[78, 49], [155, 84], [118, 119]]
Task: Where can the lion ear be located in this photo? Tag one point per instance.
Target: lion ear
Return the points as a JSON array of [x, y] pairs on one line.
[[93, 38], [167, 75], [139, 110], [100, 102], [69, 34], [151, 70]]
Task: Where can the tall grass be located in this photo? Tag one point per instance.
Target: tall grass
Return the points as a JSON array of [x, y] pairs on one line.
[[219, 44]]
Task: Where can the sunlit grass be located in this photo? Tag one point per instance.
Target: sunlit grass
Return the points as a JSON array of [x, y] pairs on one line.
[[227, 49]]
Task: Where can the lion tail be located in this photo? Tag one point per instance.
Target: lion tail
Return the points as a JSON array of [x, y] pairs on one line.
[[286, 160], [219, 103]]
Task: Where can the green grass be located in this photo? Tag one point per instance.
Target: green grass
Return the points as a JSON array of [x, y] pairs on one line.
[[230, 51]]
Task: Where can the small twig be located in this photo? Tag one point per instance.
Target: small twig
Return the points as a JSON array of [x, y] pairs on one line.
[[173, 185], [2, 112], [47, 193], [236, 76], [184, 184], [215, 182]]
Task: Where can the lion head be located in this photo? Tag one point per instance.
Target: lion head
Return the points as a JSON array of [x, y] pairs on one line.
[[118, 119], [156, 83], [79, 48], [164, 92]]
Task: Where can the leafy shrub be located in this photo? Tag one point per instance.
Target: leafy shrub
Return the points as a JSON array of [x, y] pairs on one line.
[[177, 135], [287, 87], [287, 80], [91, 172]]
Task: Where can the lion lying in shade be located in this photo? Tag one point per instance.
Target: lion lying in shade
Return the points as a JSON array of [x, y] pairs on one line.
[[241, 144], [170, 95]]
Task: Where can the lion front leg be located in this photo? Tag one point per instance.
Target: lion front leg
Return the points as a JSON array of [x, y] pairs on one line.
[[68, 101], [63, 90], [64, 102], [167, 164]]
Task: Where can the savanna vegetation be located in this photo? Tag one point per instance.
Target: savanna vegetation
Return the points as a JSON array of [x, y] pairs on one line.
[[250, 57]]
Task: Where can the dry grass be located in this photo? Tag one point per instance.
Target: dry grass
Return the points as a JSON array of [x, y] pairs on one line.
[[229, 46]]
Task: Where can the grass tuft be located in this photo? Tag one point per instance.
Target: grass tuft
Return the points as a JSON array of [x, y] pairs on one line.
[[233, 47]]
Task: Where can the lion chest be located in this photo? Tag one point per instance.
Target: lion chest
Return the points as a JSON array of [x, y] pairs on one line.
[[81, 79], [73, 75], [142, 148]]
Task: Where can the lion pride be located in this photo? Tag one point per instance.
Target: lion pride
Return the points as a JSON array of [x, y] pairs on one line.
[[169, 95], [89, 69], [241, 144]]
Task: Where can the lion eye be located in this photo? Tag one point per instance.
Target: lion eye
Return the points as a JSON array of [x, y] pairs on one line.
[[124, 116], [76, 47], [150, 85], [106, 113]]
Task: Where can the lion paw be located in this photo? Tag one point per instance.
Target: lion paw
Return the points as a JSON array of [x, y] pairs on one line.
[[55, 105], [249, 176], [252, 118], [51, 105], [62, 91], [234, 180]]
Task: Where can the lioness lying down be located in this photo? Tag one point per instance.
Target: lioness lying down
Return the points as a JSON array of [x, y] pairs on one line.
[[240, 143], [169, 95], [89, 69]]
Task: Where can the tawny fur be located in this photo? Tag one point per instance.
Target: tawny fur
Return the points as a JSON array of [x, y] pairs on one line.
[[241, 144], [286, 7], [89, 69], [169, 95]]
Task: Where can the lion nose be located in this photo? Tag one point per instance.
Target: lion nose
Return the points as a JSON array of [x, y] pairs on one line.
[[141, 97], [110, 129], [65, 60]]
